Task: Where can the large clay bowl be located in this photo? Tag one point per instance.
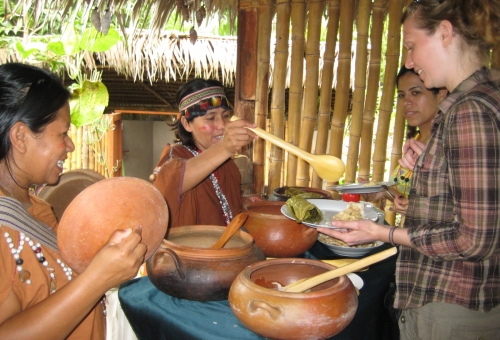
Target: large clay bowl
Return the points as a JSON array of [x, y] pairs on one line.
[[70, 184], [185, 267], [106, 206], [279, 193], [319, 314], [276, 234]]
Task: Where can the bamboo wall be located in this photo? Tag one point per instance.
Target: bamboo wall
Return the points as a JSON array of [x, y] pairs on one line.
[[97, 147]]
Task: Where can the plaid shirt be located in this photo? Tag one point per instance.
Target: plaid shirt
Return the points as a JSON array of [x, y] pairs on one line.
[[453, 215]]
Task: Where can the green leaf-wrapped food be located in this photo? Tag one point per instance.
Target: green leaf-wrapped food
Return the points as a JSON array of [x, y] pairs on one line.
[[291, 192], [303, 211]]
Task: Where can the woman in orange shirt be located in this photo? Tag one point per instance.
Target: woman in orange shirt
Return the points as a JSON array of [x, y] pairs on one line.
[[40, 297]]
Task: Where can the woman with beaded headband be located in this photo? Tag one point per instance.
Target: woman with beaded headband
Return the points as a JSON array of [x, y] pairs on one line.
[[40, 297], [447, 272], [197, 176]]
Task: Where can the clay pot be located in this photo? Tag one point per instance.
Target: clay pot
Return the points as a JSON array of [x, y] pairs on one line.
[[103, 207], [279, 193], [185, 267], [273, 314], [70, 184], [276, 234]]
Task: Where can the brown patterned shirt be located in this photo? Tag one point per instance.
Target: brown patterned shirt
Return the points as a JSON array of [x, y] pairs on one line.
[[453, 215]]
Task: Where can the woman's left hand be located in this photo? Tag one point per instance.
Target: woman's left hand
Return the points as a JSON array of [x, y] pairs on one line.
[[251, 199]]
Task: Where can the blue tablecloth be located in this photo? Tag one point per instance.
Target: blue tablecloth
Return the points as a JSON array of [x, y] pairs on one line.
[[156, 315]]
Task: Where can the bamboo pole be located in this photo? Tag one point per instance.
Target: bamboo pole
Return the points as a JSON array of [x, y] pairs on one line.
[[387, 99], [372, 88], [343, 78], [91, 158], [278, 92], [325, 106], [266, 13], [298, 17], [311, 87], [397, 148], [85, 149], [363, 22]]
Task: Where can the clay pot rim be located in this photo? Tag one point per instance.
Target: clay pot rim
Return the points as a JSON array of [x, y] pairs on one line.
[[196, 252], [343, 280], [251, 213]]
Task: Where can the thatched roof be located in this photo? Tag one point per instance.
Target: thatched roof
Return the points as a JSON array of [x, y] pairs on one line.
[[147, 66]]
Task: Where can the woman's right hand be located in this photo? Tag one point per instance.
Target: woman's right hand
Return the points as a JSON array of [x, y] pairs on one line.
[[411, 151], [120, 258], [236, 135]]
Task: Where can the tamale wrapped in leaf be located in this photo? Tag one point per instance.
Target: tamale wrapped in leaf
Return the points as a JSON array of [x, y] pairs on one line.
[[303, 211], [309, 195], [291, 192]]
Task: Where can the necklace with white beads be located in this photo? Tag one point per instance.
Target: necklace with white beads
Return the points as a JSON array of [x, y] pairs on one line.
[[24, 275]]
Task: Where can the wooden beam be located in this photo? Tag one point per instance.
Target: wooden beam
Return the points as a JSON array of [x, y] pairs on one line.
[[141, 112], [163, 100]]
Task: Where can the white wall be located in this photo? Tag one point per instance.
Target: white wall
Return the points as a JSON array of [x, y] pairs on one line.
[[143, 142]]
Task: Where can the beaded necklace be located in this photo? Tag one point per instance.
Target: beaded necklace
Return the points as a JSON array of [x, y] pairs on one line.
[[24, 275], [227, 215]]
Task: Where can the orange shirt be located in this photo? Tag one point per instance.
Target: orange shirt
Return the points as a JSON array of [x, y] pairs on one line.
[[93, 326]]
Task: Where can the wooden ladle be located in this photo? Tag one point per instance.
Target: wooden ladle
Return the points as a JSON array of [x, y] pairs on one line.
[[302, 285], [329, 168], [233, 227]]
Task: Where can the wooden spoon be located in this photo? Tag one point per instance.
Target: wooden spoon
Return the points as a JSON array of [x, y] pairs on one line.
[[302, 285], [329, 168], [233, 227]]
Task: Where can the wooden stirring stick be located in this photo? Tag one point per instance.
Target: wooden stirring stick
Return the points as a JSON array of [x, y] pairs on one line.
[[302, 285]]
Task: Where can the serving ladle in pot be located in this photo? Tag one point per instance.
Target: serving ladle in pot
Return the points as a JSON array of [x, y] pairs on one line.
[[233, 227], [328, 167], [302, 285]]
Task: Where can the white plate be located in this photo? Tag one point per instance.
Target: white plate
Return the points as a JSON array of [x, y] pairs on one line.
[[356, 280], [361, 188], [329, 208], [350, 251]]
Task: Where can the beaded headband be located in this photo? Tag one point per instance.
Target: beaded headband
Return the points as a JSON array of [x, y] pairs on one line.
[[199, 102]]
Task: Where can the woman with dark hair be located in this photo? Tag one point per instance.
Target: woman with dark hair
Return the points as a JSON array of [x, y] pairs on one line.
[[197, 176], [447, 272], [40, 296], [420, 106]]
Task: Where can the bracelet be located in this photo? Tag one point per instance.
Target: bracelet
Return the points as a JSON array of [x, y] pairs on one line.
[[391, 235]]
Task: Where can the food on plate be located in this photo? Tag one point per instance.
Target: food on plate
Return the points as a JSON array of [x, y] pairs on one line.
[[336, 242], [291, 192], [371, 183], [303, 210], [353, 212]]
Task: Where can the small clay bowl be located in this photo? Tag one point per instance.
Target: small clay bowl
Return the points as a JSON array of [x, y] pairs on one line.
[[279, 193], [319, 314], [276, 234], [108, 205]]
